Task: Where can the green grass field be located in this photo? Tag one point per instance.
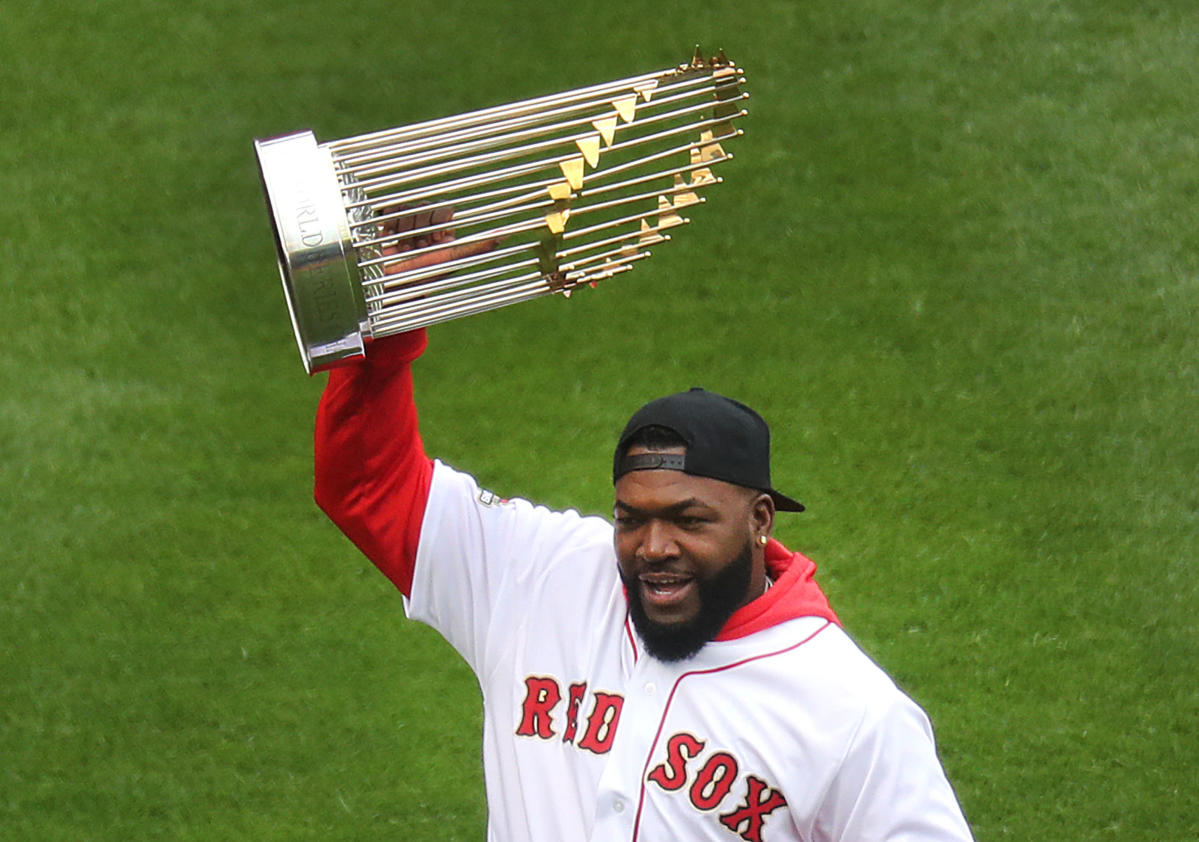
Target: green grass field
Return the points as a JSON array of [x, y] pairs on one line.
[[955, 263]]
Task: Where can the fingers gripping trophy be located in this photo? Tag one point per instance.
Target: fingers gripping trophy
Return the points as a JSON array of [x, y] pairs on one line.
[[408, 227]]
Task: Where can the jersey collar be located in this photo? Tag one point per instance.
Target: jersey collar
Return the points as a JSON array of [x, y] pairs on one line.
[[794, 594]]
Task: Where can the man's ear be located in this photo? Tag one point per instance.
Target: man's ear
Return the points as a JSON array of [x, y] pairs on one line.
[[762, 516]]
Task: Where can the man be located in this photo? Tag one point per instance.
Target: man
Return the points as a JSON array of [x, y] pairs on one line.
[[675, 676]]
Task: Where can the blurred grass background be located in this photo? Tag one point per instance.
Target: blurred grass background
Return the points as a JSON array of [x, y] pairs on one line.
[[955, 264]]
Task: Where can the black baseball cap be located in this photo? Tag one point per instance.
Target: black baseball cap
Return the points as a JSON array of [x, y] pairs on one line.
[[726, 440]]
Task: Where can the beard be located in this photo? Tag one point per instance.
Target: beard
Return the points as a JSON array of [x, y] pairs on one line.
[[719, 596]]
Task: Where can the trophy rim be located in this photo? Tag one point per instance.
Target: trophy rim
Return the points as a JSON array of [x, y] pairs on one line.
[[313, 250]]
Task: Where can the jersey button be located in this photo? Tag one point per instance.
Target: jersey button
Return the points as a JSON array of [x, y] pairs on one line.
[[618, 805], [651, 688]]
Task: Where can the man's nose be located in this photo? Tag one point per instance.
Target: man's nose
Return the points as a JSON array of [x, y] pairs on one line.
[[659, 543]]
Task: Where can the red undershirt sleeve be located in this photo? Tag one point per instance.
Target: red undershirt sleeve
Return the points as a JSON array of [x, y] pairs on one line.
[[372, 476]]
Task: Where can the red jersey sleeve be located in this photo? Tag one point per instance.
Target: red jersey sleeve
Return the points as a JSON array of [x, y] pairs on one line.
[[372, 476]]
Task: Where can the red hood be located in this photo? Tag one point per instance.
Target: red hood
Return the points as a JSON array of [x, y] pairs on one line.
[[794, 594]]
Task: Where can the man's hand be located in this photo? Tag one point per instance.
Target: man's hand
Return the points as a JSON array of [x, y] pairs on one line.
[[418, 219]]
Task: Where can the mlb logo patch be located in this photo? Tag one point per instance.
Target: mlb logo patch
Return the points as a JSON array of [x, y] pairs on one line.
[[488, 498]]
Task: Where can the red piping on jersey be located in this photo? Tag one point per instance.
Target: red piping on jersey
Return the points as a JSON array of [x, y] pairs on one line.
[[670, 699], [628, 629]]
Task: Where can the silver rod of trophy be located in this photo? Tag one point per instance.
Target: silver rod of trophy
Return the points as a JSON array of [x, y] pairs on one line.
[[423, 317], [510, 153], [404, 286], [468, 207], [405, 320], [448, 270], [460, 164], [498, 295], [477, 239], [606, 258], [419, 282], [395, 294], [531, 204], [409, 292], [386, 147], [672, 219], [601, 189], [422, 298], [525, 293], [499, 233], [368, 185], [379, 206], [463, 143], [633, 217], [515, 193], [423, 194], [412, 226], [533, 190], [649, 238], [480, 294], [487, 115], [535, 202]]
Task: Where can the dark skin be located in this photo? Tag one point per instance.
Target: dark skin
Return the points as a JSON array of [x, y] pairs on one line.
[[673, 529], [415, 219]]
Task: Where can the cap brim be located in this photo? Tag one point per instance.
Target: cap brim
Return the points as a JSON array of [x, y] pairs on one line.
[[783, 503]]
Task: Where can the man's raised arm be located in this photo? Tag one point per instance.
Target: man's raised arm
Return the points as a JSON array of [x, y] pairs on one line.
[[372, 474]]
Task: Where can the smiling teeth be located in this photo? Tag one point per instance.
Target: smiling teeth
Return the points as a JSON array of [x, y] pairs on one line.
[[661, 584]]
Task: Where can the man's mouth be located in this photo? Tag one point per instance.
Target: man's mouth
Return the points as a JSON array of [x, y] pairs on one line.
[[665, 590]]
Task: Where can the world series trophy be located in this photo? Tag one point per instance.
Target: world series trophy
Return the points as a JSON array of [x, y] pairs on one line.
[[399, 229]]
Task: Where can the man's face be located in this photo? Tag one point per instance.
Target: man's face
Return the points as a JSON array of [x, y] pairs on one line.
[[688, 553]]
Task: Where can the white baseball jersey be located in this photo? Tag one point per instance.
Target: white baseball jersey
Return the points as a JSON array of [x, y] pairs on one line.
[[783, 730]]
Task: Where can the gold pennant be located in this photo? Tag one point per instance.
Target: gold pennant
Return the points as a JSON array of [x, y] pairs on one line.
[[626, 107], [607, 129], [647, 234], [667, 216], [646, 90], [559, 190], [556, 221], [708, 151], [683, 198], [590, 147], [573, 170]]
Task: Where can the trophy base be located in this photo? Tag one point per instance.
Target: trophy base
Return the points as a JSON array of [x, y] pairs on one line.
[[315, 254]]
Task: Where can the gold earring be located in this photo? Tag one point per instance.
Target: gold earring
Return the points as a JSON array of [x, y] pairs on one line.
[[762, 539]]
